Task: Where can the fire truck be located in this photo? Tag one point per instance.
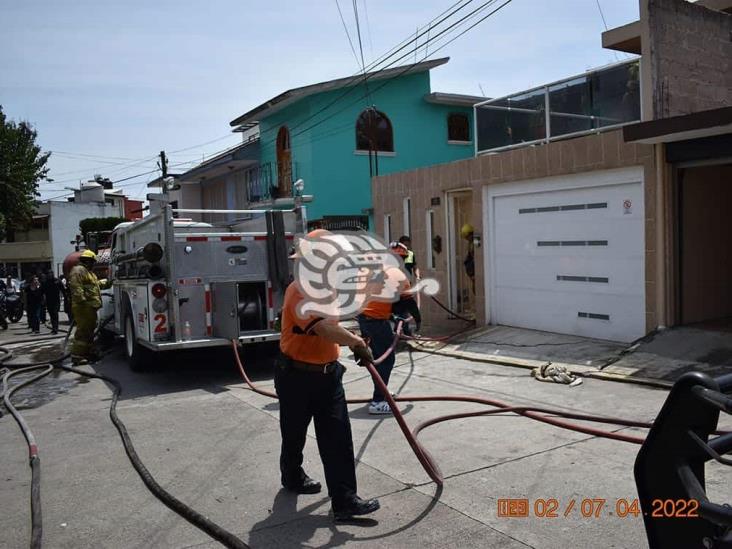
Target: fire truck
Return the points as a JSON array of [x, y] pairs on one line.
[[179, 283]]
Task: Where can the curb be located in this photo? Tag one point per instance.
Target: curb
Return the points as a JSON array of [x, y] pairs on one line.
[[528, 364]]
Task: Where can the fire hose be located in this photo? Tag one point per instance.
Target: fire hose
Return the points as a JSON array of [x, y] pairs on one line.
[[545, 415], [185, 511], [227, 538]]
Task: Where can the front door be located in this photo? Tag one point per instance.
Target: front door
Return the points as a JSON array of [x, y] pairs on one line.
[[284, 164], [461, 260]]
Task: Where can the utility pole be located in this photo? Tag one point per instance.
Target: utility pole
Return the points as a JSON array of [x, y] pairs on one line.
[[163, 164]]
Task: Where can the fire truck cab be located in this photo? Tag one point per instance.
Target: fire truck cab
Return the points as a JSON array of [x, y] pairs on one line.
[[179, 283]]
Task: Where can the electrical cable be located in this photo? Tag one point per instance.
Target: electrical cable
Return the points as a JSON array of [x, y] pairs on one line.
[[406, 69], [348, 34], [354, 80], [360, 47]]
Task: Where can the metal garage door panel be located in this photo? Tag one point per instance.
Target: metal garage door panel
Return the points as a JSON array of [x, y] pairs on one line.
[[549, 313], [571, 260]]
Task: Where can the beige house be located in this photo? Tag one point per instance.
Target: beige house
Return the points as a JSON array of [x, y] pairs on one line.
[[596, 202]]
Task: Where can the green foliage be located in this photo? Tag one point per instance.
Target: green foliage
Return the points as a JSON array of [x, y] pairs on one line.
[[96, 224], [22, 166]]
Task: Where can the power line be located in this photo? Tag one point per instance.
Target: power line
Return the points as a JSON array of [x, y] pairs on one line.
[[454, 7], [360, 47], [63, 153], [441, 35], [113, 183], [368, 27], [204, 144], [411, 67], [348, 34], [604, 22], [383, 58]]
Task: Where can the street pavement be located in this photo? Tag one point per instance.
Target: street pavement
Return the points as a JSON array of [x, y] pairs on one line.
[[214, 444]]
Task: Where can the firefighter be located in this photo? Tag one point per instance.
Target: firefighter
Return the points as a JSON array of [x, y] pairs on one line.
[[308, 380], [86, 299]]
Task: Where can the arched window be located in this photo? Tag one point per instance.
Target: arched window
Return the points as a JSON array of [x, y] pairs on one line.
[[458, 127], [374, 132]]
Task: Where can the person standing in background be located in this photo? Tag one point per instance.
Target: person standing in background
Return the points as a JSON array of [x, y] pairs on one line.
[[410, 260], [67, 299], [52, 292], [34, 299], [42, 281]]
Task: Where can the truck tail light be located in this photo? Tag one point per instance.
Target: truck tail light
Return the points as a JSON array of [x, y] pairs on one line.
[[159, 290]]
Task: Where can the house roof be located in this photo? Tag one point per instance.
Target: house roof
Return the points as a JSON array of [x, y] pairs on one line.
[[457, 99], [287, 98], [240, 156]]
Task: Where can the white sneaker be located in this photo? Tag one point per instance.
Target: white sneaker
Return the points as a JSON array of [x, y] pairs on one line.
[[379, 408]]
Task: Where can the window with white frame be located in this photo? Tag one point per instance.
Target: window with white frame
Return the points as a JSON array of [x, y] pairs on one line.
[[430, 231], [407, 204], [387, 228]]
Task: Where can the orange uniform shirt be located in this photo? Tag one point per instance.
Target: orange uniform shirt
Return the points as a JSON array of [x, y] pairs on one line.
[[377, 309], [298, 346], [382, 309]]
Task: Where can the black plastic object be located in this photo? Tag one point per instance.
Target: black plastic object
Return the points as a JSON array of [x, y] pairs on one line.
[[669, 468], [279, 269]]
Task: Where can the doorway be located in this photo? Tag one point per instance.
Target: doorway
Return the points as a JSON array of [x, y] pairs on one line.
[[461, 263], [284, 164], [704, 246]]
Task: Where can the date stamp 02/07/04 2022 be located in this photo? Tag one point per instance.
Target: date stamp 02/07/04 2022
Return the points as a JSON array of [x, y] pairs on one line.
[[595, 508]]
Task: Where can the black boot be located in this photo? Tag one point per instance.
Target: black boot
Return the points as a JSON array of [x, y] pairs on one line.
[[355, 507], [305, 485]]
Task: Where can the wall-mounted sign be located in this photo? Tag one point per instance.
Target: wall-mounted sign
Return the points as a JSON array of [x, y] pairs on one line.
[[627, 206], [435, 201]]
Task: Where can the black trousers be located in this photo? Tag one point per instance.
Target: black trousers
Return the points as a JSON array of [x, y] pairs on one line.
[[53, 309], [314, 395]]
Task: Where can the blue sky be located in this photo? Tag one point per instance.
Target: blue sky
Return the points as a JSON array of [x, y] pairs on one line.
[[123, 79]]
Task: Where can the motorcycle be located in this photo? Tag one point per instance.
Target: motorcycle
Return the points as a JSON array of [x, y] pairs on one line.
[[12, 306]]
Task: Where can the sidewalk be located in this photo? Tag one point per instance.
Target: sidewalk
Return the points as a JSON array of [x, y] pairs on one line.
[[658, 359]]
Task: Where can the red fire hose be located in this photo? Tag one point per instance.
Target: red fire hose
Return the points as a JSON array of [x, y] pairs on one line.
[[545, 415]]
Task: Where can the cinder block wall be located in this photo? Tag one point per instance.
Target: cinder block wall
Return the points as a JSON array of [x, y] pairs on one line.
[[690, 52], [603, 151]]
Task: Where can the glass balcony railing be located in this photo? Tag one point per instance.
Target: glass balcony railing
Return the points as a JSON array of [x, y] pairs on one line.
[[596, 100]]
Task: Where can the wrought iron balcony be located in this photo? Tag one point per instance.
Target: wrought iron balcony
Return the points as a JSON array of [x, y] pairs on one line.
[[268, 182]]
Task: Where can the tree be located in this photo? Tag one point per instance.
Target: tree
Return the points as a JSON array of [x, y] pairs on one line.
[[22, 166], [99, 224]]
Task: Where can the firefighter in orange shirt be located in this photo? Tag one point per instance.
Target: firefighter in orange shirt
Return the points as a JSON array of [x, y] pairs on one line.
[[308, 380]]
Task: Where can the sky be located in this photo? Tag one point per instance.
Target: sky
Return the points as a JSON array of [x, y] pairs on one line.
[[110, 83]]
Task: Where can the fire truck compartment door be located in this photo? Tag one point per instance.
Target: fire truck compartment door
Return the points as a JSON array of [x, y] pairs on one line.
[[224, 314], [192, 299]]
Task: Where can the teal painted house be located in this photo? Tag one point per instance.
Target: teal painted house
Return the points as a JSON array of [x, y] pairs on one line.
[[336, 135]]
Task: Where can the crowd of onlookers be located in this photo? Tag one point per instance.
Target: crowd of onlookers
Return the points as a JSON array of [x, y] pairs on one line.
[[42, 294]]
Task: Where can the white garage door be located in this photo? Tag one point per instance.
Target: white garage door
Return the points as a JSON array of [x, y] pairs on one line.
[[567, 255]]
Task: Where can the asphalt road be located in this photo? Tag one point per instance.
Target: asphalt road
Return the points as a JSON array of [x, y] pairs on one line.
[[214, 444]]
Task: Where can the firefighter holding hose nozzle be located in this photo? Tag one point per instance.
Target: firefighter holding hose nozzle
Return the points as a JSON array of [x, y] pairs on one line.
[[86, 300]]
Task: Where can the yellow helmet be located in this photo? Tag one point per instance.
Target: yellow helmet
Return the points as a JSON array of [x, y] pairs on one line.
[[88, 254], [467, 230]]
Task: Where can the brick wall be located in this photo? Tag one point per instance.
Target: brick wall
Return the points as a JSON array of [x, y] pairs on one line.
[[602, 151], [690, 50]]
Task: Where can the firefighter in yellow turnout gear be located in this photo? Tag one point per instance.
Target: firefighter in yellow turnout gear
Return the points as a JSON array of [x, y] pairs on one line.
[[86, 299]]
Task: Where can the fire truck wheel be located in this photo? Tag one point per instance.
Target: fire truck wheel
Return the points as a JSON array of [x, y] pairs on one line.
[[137, 355]]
